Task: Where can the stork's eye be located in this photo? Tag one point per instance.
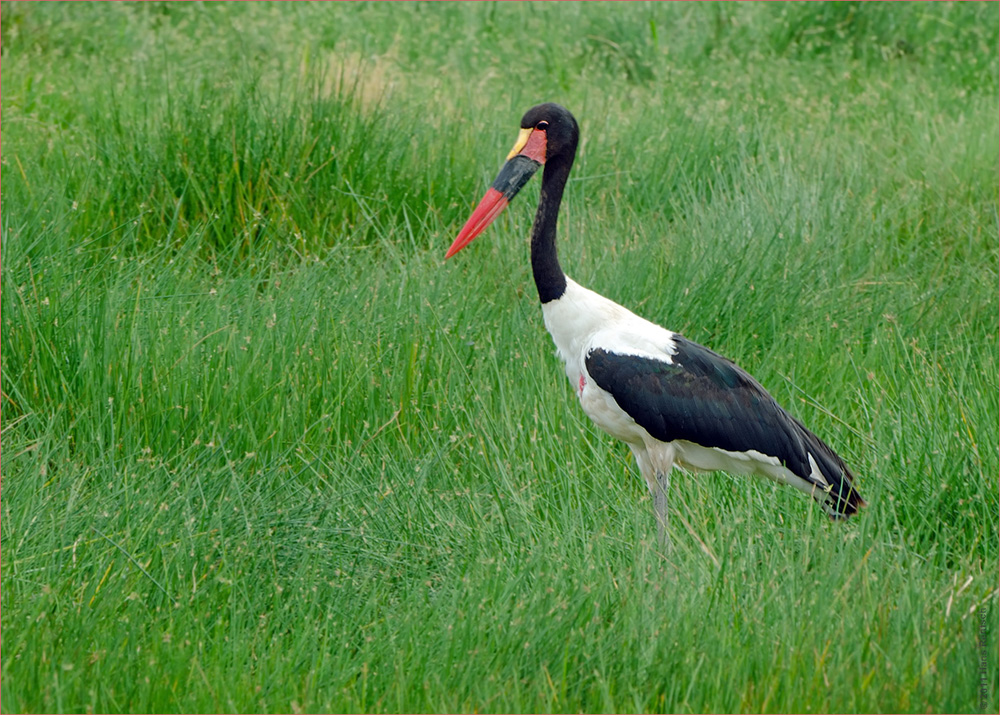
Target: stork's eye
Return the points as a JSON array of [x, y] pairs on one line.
[[543, 125]]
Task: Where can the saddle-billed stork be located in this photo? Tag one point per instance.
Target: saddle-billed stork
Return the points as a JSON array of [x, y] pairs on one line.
[[672, 401]]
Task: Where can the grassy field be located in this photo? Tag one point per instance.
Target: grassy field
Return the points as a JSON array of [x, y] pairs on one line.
[[264, 451]]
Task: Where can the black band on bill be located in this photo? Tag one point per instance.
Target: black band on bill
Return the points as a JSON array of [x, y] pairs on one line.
[[514, 175]]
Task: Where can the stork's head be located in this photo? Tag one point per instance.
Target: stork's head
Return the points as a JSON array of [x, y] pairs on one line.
[[549, 134]]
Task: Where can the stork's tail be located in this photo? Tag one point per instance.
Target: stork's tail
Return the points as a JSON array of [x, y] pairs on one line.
[[841, 501], [834, 483]]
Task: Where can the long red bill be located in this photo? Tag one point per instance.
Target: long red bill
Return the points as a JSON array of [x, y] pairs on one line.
[[514, 175], [488, 209]]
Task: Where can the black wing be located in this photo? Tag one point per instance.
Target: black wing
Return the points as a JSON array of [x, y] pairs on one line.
[[706, 399]]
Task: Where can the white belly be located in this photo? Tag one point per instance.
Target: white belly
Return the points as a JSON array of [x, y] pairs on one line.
[[601, 407]]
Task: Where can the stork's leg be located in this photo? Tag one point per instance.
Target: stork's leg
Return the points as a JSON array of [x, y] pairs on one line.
[[660, 490], [655, 463]]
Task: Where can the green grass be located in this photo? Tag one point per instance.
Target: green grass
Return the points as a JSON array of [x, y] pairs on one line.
[[264, 451]]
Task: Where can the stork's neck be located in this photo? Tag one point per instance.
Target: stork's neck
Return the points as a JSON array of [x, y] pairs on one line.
[[549, 277]]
